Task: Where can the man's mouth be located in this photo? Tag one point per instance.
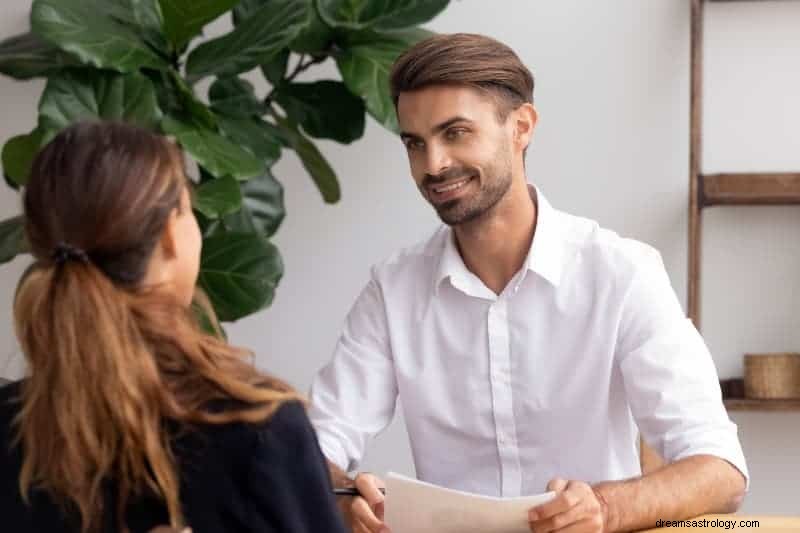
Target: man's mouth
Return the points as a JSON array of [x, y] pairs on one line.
[[439, 189]]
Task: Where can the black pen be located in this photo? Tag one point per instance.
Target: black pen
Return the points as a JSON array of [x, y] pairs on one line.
[[352, 491]]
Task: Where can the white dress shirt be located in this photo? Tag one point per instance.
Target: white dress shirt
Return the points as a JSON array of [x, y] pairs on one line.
[[550, 378]]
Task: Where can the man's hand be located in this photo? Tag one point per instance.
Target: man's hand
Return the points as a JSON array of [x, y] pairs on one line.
[[366, 511], [575, 509]]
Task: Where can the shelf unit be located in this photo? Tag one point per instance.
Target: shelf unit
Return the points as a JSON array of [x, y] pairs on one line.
[[708, 190], [748, 404]]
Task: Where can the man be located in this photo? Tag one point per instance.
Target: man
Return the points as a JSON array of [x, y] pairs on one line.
[[529, 347]]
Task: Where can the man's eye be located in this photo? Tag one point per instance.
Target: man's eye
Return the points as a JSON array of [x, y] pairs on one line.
[[455, 133], [414, 144]]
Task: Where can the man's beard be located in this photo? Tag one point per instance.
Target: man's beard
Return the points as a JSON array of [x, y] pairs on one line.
[[473, 206], [462, 210]]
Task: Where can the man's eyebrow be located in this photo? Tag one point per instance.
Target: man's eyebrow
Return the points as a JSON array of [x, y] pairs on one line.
[[437, 128]]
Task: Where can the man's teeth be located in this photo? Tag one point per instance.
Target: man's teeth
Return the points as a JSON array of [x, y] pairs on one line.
[[451, 187]]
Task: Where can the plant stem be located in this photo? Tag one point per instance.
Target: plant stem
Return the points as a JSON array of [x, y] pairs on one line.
[[299, 68]]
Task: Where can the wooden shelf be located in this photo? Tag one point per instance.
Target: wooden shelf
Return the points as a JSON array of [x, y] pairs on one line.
[[750, 404], [749, 189]]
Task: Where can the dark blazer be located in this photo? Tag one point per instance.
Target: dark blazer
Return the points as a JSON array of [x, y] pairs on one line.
[[268, 477]]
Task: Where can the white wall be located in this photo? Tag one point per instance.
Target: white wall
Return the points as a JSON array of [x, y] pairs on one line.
[[612, 144]]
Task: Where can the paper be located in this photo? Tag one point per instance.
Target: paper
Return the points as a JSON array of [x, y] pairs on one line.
[[416, 507]]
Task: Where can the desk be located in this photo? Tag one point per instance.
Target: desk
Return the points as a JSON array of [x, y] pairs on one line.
[[766, 524]]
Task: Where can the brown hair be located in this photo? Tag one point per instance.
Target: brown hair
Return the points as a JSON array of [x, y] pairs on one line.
[[464, 59], [111, 362]]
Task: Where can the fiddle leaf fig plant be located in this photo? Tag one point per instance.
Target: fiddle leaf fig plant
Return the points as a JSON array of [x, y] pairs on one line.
[[140, 61]]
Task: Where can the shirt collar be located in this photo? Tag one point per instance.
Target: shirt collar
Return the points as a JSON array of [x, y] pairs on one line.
[[545, 256]]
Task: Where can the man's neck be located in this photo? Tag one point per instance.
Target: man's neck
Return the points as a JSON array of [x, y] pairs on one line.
[[494, 246]]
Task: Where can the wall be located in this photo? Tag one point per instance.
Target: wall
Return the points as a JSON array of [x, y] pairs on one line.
[[612, 144]]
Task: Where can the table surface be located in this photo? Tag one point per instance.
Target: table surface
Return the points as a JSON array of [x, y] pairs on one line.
[[766, 524]]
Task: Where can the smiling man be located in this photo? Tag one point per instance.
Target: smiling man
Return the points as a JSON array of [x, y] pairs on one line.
[[528, 346]]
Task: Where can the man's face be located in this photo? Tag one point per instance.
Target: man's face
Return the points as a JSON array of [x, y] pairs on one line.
[[459, 152]]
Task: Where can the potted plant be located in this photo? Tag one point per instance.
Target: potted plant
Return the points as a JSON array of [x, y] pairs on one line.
[[140, 61]]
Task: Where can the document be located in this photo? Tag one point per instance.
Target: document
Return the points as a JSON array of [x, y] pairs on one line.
[[417, 507]]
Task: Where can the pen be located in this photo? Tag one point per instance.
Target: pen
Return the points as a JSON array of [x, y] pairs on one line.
[[352, 491]]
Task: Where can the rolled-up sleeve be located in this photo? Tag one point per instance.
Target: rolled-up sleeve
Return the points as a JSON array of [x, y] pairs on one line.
[[670, 378], [353, 397]]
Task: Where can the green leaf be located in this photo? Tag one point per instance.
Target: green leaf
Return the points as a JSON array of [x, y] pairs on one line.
[[326, 109], [28, 56], [314, 37], [148, 15], [184, 19], [275, 69], [253, 42], [176, 98], [213, 151], [254, 135], [262, 209], [219, 197], [83, 28], [191, 105], [263, 202], [121, 11], [378, 14], [84, 95], [314, 162], [234, 97], [12, 238], [18, 155], [244, 9], [365, 65], [239, 272], [207, 322]]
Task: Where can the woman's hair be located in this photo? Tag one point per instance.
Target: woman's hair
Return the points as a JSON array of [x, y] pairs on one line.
[[113, 363]]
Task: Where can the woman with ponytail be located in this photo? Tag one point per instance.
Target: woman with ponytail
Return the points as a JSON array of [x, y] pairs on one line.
[[131, 415]]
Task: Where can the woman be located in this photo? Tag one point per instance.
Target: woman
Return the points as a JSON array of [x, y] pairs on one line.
[[131, 416]]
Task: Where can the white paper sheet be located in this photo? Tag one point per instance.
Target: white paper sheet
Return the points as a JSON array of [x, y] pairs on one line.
[[416, 507]]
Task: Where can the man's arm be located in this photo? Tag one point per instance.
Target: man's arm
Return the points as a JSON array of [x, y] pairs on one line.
[[687, 488], [339, 477]]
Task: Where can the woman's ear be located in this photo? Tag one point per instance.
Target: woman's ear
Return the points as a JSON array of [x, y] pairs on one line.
[[168, 243]]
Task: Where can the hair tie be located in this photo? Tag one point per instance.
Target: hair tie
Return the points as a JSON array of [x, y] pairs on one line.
[[65, 252]]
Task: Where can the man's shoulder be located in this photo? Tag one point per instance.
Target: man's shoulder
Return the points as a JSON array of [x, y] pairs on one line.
[[412, 261], [604, 249]]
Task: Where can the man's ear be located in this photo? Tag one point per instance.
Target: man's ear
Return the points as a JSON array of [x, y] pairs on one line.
[[525, 119]]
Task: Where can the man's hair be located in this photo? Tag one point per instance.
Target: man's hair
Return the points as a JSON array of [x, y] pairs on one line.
[[464, 59]]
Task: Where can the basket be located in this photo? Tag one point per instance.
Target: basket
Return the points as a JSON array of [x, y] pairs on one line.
[[772, 375]]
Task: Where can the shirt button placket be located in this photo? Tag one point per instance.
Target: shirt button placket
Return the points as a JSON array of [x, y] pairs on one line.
[[500, 373]]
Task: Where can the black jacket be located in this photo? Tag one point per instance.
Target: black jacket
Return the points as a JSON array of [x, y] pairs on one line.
[[269, 477]]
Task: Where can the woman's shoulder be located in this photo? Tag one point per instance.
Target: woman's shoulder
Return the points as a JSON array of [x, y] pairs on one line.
[[290, 416], [9, 401], [287, 428]]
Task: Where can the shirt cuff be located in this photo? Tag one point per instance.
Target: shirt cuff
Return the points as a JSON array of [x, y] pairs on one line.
[[733, 456]]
